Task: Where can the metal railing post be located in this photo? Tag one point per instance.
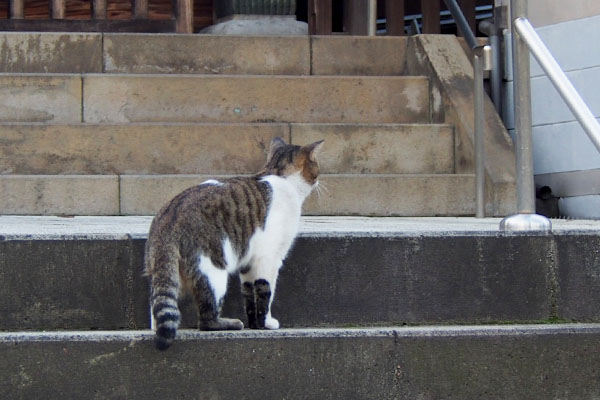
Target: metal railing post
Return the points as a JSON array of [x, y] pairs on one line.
[[526, 219], [461, 22], [372, 16], [491, 30]]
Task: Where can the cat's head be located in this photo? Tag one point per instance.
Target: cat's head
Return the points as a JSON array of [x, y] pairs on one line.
[[286, 160]]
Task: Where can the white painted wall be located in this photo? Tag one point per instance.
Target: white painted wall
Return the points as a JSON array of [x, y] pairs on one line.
[[551, 12], [559, 143]]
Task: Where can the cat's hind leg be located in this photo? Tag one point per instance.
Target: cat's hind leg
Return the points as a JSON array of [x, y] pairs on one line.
[[258, 289], [209, 287]]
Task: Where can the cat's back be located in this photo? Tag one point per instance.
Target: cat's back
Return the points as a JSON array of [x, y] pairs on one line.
[[204, 213]]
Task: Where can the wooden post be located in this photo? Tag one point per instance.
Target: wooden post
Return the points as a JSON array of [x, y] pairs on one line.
[[17, 9], [394, 15], [140, 9], [185, 16], [431, 16], [355, 17], [319, 17], [58, 9], [99, 9], [468, 9]]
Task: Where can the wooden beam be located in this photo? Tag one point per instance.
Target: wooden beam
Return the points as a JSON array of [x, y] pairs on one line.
[[319, 17], [90, 25], [431, 16], [394, 14], [58, 9], [17, 9], [99, 9], [185, 16], [468, 9], [140, 9]]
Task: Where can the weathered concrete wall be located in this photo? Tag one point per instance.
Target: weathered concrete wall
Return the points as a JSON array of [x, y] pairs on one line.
[[338, 279], [404, 363]]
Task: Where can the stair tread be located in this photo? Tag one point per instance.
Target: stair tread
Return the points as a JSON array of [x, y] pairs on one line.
[[118, 227], [303, 333], [523, 362]]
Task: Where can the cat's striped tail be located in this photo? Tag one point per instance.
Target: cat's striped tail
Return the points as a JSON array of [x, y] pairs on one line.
[[164, 297]]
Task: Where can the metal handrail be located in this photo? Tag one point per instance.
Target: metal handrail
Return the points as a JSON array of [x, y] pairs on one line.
[[559, 79], [526, 40], [462, 22], [482, 61]]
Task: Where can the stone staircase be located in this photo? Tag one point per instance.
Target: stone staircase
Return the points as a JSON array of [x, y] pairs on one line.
[[98, 131], [371, 308], [117, 124]]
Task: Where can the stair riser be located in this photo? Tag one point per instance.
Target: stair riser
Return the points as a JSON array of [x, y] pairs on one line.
[[395, 195], [337, 279], [376, 195], [219, 148], [155, 98], [380, 149], [40, 98], [52, 195], [32, 52], [401, 364], [200, 54], [405, 195]]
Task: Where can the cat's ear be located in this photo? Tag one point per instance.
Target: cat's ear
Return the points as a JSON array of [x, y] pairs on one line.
[[313, 149], [276, 143]]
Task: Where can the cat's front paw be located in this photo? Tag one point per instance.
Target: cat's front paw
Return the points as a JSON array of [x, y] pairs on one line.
[[271, 323]]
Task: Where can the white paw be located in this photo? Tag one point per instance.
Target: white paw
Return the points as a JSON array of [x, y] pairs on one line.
[[271, 323]]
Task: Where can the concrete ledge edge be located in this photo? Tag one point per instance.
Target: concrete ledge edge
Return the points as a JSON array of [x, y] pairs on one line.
[[395, 332]]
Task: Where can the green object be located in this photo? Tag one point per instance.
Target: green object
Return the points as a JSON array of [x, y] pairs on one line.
[[226, 8]]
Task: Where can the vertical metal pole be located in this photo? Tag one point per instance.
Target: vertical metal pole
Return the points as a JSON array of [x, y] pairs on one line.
[[58, 9], [526, 219], [523, 121], [17, 9], [99, 9], [140, 9], [479, 141], [372, 15]]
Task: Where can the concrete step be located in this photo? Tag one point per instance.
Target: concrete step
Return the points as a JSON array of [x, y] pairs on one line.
[[489, 362], [352, 194], [47, 52], [31, 149], [104, 98], [86, 273], [233, 98], [339, 194]]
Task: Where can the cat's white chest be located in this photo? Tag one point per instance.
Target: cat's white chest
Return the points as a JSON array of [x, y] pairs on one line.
[[282, 222]]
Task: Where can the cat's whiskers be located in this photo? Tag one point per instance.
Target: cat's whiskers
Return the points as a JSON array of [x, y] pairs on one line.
[[320, 189]]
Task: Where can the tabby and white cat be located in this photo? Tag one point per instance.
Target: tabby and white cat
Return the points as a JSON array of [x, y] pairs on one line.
[[242, 225]]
